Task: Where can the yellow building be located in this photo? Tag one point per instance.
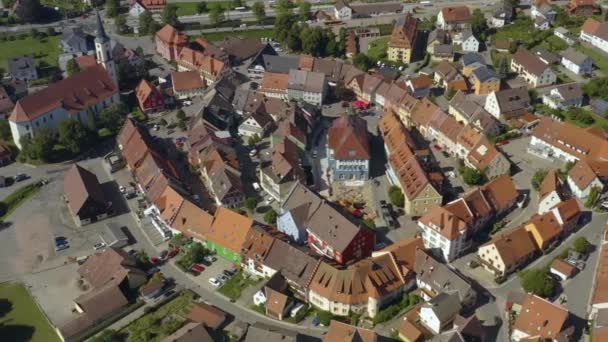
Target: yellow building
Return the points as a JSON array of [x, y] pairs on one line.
[[484, 81], [402, 39]]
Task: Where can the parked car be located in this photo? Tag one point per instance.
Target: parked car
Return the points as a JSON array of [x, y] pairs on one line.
[[99, 246], [154, 260], [253, 153], [61, 247], [214, 282], [222, 278], [197, 269], [210, 258], [380, 245], [164, 255], [256, 187], [123, 189], [172, 253], [21, 177]]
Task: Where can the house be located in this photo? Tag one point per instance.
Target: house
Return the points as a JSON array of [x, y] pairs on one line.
[[22, 68], [420, 86], [444, 73], [344, 11], [169, 42], [549, 193], [541, 23], [187, 84], [439, 312], [453, 18], [190, 332], [434, 277], [410, 329], [595, 33], [112, 265], [90, 90], [582, 7], [582, 179], [539, 318], [545, 229], [562, 269], [84, 196], [152, 289], [507, 252], [577, 62], [486, 158], [241, 50], [277, 176], [443, 230], [532, 69], [220, 170], [484, 80], [210, 69], [307, 86], [227, 234], [471, 61], [546, 56], [274, 85], [599, 291], [261, 332], [277, 304], [257, 123], [565, 35], [564, 96], [402, 40], [339, 331], [348, 149], [365, 86], [208, 315], [467, 111], [507, 104], [137, 7], [150, 99], [502, 16], [542, 10], [467, 41], [74, 41], [437, 37]]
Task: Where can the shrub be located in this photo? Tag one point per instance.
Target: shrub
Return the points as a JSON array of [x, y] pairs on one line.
[[396, 196], [580, 245], [537, 179], [538, 282], [270, 216], [324, 317]]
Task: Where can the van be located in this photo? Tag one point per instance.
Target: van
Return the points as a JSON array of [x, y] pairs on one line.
[[256, 186], [296, 309]]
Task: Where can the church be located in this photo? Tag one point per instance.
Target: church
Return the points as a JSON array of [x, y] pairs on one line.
[[80, 96]]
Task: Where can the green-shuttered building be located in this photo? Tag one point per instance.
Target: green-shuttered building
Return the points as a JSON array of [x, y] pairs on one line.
[[227, 234]]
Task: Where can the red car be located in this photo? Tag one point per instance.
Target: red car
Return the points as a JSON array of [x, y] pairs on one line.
[[197, 268], [172, 253], [154, 260], [504, 142], [437, 147]]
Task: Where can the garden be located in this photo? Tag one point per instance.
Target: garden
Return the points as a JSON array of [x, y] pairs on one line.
[[15, 199], [235, 285], [40, 45]]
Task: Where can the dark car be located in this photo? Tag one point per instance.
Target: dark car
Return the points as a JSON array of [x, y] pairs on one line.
[[163, 255], [206, 262], [21, 177]]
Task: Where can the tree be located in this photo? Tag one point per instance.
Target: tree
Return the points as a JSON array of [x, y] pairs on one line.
[[472, 176], [538, 282], [72, 67], [120, 22], [284, 7], [139, 51], [112, 117], [127, 75], [108, 335], [236, 3], [216, 14], [533, 94], [50, 31], [594, 197], [112, 8], [478, 23], [259, 12], [251, 203], [396, 196], [451, 92], [282, 26], [40, 147], [170, 326], [73, 135], [254, 140], [503, 68], [270, 216], [29, 11], [146, 23], [331, 45], [201, 7], [581, 245], [169, 15], [304, 10], [361, 61], [5, 130], [293, 41], [538, 178]]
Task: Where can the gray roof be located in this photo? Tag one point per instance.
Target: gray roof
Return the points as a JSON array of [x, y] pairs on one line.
[[73, 34], [448, 336], [294, 264], [513, 99], [443, 50], [574, 56], [466, 107], [562, 30], [306, 81], [19, 63], [260, 332], [445, 306], [439, 276], [570, 91], [439, 35], [280, 64], [484, 74], [472, 58], [546, 55]]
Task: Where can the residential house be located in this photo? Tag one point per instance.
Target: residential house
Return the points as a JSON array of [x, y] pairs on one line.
[[339, 331], [577, 62], [484, 81], [278, 304], [278, 175], [74, 41], [261, 332], [242, 50], [420, 86], [345, 11], [137, 7], [471, 61], [307, 86], [444, 73], [486, 158], [437, 37], [453, 18], [187, 84], [549, 193], [564, 96], [507, 104], [210, 69], [595, 33], [439, 312], [503, 15], [22, 68], [348, 149], [258, 123], [220, 169], [227, 233], [190, 332], [562, 269], [150, 98], [507, 252], [565, 35], [541, 23], [542, 10], [208, 315], [467, 41], [84, 196], [532, 69], [444, 230], [467, 111], [365, 86], [599, 293], [6, 156], [402, 40], [274, 85], [582, 7], [546, 56], [434, 277], [540, 319], [169, 42], [582, 179], [545, 229]]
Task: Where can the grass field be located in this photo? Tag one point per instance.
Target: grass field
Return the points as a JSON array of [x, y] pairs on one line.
[[600, 59], [189, 8], [233, 287], [217, 36], [20, 318], [14, 200], [44, 50], [377, 48]]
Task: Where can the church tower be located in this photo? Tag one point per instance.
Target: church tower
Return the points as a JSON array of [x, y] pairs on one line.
[[103, 50]]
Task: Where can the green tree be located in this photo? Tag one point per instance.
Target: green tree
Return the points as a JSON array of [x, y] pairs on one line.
[[40, 147], [201, 7], [251, 203], [259, 11], [169, 15], [331, 44], [50, 31], [478, 23], [254, 140], [270, 216], [146, 23], [503, 68], [581, 245], [533, 94], [342, 93], [236, 3], [113, 117], [396, 196], [108, 335], [282, 26], [538, 178], [472, 176], [538, 282], [29, 11], [284, 7], [325, 317], [72, 67], [216, 14], [304, 10], [170, 326], [293, 41], [594, 197], [74, 136], [180, 115], [112, 8], [5, 131], [361, 61], [120, 22]]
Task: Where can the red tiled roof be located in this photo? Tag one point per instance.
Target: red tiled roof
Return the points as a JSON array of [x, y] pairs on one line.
[[348, 138]]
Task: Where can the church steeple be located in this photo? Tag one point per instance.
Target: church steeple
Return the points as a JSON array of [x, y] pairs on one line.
[[103, 49], [100, 31]]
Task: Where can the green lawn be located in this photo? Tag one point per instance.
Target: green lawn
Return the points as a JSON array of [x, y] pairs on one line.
[[377, 48], [14, 200], [600, 59], [217, 36], [554, 44], [233, 287], [522, 30], [159, 323], [44, 50], [20, 318], [189, 8]]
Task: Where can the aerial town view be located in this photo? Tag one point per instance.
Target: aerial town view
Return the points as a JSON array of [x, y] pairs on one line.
[[304, 170]]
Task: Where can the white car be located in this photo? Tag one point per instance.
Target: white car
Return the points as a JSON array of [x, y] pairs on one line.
[[253, 152], [269, 199], [256, 187], [99, 246], [214, 282], [123, 189]]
